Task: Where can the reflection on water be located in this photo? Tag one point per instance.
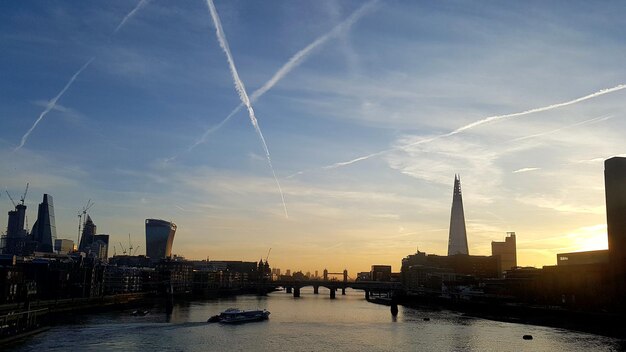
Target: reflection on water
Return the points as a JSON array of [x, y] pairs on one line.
[[309, 323]]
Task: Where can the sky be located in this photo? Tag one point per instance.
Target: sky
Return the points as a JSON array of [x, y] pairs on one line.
[[367, 110]]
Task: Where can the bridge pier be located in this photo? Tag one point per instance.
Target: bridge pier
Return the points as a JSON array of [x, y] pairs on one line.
[[316, 290], [296, 292], [332, 293], [367, 295], [343, 291], [288, 289]]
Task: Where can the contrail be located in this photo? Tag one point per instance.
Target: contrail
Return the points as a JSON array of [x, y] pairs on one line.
[[241, 89], [52, 103], [586, 122], [140, 4], [292, 63], [481, 122]]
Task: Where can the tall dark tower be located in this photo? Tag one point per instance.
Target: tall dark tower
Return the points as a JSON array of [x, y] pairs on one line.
[[457, 241], [86, 238], [16, 234], [44, 231], [615, 193]]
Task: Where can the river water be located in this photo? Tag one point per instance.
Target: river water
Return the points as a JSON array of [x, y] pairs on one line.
[[309, 323]]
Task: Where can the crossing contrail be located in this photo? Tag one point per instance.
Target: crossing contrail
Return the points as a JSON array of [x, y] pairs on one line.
[[241, 90], [586, 122], [140, 4], [292, 63], [479, 123], [52, 103]]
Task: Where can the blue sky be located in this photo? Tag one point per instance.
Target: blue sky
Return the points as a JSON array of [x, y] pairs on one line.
[[400, 73]]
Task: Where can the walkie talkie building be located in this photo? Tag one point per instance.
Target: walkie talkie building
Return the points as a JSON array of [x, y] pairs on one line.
[[159, 238]]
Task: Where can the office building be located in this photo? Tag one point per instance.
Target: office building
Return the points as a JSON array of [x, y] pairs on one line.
[[457, 241], [100, 246], [583, 258], [87, 236], [159, 238], [44, 231], [16, 235], [506, 252], [63, 246]]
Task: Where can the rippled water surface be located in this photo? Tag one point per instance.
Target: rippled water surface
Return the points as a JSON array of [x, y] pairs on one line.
[[309, 323]]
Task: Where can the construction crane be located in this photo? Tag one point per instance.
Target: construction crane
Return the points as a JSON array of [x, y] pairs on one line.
[[268, 254], [11, 198], [123, 249], [24, 195], [130, 246], [81, 215]]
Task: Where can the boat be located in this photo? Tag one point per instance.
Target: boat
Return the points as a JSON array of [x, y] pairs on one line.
[[236, 316]]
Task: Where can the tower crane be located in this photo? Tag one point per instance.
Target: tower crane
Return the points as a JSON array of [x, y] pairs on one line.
[[81, 214], [11, 198], [268, 254]]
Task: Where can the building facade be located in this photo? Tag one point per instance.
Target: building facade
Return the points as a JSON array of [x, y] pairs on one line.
[[506, 252], [159, 238]]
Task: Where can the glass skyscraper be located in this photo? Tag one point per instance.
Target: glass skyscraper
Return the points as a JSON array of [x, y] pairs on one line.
[[159, 238], [44, 231]]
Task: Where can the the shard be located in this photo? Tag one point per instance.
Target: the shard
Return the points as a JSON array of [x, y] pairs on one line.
[[457, 241]]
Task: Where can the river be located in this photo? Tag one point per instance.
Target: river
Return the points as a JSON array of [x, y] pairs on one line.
[[309, 323]]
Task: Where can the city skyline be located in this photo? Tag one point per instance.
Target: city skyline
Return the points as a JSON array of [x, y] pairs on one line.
[[377, 106]]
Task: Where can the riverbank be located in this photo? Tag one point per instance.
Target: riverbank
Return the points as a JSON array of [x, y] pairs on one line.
[[600, 323]]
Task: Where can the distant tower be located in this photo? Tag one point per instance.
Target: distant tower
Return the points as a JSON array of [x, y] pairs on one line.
[[159, 238], [457, 241], [86, 239], [44, 231], [16, 234]]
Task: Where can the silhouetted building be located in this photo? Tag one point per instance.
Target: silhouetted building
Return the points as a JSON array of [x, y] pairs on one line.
[[581, 258], [380, 273], [457, 242], [506, 252], [44, 230], [615, 192], [63, 246], [86, 238], [100, 246], [16, 235], [159, 238]]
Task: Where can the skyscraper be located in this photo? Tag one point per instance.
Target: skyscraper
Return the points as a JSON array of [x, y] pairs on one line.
[[457, 241], [44, 231], [159, 238], [16, 234], [86, 238], [615, 192]]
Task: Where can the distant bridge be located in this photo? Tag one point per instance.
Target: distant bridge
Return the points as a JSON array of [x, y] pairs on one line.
[[369, 287]]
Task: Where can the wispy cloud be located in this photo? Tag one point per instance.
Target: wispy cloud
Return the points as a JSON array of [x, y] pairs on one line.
[[526, 169], [241, 90]]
